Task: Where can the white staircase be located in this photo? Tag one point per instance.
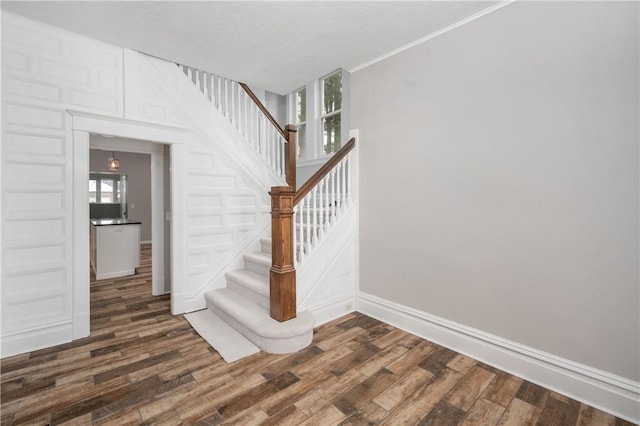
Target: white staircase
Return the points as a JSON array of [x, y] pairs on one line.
[[244, 304]]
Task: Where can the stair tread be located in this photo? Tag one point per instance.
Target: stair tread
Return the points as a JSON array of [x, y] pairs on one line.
[[261, 258], [256, 317], [251, 280]]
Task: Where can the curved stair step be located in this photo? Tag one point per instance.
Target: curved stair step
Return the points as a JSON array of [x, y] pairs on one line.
[[253, 322]]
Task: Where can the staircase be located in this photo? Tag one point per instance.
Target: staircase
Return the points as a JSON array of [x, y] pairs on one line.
[[244, 304], [266, 288]]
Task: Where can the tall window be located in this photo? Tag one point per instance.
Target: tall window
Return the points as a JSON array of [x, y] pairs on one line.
[[301, 121], [331, 106]]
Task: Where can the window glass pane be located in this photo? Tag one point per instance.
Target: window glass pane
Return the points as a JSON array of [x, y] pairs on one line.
[[301, 105], [332, 93], [331, 133], [302, 141], [106, 191]]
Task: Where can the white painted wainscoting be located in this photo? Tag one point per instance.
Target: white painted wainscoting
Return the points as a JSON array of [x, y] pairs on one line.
[[45, 71]]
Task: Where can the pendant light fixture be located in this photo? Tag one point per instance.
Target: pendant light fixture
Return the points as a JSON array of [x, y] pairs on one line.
[[113, 163]]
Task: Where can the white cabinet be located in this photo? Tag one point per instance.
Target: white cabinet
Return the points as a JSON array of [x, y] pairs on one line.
[[115, 247]]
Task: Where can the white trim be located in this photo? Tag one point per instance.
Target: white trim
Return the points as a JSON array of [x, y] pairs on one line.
[[178, 248], [333, 310], [115, 274], [81, 298], [157, 221], [145, 242], [600, 389], [81, 124], [433, 35], [125, 145], [23, 341], [129, 129]]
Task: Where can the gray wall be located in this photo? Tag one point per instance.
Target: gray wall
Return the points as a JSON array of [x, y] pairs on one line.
[[277, 106], [138, 170], [499, 178]]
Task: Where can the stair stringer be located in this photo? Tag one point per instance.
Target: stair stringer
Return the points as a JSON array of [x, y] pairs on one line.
[[327, 279], [226, 203]]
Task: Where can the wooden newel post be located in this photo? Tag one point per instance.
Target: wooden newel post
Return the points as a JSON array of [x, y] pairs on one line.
[[290, 155], [282, 278]]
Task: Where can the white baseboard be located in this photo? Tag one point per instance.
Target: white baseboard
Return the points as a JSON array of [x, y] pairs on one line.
[[325, 313], [600, 389], [116, 274], [35, 338]]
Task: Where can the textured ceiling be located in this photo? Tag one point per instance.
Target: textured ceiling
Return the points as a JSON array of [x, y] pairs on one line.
[[278, 46]]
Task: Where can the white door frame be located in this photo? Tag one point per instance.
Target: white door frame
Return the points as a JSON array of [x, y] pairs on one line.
[[79, 127]]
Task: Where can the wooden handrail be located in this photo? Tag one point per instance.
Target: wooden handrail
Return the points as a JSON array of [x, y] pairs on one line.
[[264, 109], [322, 171]]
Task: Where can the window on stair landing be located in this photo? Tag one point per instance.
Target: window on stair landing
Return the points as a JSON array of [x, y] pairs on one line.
[[300, 97], [331, 107], [320, 109]]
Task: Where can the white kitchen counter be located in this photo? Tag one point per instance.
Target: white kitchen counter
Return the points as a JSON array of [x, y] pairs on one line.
[[115, 247]]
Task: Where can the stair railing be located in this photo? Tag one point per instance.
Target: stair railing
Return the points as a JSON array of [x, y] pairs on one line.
[[237, 102], [299, 220]]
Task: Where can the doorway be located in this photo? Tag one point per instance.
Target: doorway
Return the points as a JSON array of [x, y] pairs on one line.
[[143, 163], [164, 144]]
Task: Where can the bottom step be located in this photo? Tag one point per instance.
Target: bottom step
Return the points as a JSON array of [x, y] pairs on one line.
[[254, 322], [230, 344]]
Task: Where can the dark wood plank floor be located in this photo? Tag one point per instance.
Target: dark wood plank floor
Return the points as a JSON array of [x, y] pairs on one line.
[[143, 366]]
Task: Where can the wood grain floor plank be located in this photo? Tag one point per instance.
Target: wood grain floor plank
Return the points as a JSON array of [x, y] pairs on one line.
[[465, 394], [590, 416], [289, 416], [393, 396], [502, 389], [370, 414], [462, 363], [443, 414], [483, 412], [327, 416], [412, 358], [520, 412], [358, 396]]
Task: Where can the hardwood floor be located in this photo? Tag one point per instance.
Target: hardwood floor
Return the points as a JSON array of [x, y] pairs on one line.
[[141, 365]]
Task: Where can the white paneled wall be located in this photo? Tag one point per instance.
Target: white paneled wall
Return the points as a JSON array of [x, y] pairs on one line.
[[45, 71]]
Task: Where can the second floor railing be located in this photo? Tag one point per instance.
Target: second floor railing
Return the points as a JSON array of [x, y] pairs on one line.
[[237, 102]]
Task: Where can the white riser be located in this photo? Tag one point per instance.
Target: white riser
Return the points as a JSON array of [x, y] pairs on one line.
[[252, 286]]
